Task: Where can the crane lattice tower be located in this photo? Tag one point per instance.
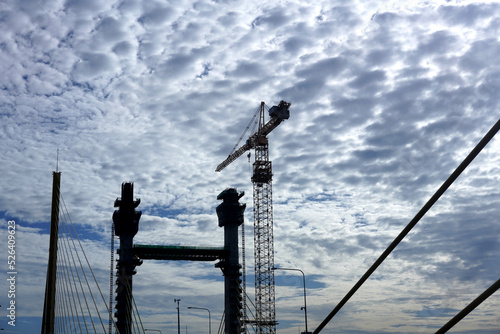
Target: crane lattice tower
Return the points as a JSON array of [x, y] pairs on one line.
[[263, 238], [263, 214]]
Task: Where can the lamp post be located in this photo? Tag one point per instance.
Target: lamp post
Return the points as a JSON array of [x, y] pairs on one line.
[[304, 281], [178, 316], [209, 317]]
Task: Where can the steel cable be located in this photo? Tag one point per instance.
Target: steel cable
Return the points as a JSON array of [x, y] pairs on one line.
[[62, 283], [491, 133], [71, 267], [469, 308], [82, 290], [90, 268]]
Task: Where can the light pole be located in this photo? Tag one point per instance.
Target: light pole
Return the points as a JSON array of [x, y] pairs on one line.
[[305, 300], [178, 316], [209, 317]]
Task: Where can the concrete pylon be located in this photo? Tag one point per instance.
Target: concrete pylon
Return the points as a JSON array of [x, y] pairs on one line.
[[126, 221], [230, 214]]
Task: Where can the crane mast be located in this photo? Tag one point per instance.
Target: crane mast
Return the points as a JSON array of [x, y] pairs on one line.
[[263, 215], [263, 238]]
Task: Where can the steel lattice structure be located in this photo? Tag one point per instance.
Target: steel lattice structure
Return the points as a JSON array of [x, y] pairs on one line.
[[263, 213], [263, 239]]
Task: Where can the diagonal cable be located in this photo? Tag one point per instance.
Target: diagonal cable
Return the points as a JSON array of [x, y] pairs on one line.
[[491, 133], [73, 269], [469, 308], [90, 268], [68, 292], [77, 281], [74, 252]]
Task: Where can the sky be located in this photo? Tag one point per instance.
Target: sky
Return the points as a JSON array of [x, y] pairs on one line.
[[388, 97]]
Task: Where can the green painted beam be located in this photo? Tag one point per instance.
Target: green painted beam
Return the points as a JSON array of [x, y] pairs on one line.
[[179, 253]]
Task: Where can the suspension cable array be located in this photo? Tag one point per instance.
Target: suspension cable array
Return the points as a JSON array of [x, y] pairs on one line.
[[465, 163], [80, 305]]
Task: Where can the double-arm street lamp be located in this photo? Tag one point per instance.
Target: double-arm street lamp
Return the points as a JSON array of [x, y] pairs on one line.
[[209, 321], [305, 300]]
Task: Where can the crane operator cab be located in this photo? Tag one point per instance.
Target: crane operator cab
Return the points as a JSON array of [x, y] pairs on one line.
[[281, 110]]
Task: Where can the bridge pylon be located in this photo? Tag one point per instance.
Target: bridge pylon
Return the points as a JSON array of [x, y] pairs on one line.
[[126, 220]]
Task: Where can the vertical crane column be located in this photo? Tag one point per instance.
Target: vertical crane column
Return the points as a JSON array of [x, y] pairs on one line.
[[126, 221], [263, 214], [230, 214], [263, 236]]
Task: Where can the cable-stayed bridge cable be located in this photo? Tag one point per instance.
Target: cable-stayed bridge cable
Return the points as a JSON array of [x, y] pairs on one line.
[[77, 266], [77, 307], [469, 308], [491, 133], [68, 287]]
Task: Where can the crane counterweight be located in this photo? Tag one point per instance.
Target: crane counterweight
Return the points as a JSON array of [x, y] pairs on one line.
[[281, 111]]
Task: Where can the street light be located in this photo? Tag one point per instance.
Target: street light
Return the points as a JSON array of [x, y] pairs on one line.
[[304, 281], [209, 317], [178, 316]]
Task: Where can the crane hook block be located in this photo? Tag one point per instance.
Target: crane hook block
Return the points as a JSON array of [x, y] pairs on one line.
[[281, 110]]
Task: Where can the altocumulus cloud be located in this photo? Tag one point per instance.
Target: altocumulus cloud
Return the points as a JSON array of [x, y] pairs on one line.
[[387, 99]]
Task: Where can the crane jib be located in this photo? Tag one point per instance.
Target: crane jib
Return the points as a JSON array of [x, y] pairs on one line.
[[233, 157], [266, 129], [278, 114]]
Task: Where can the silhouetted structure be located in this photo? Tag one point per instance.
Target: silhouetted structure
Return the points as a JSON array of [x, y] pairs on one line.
[[230, 213], [50, 284], [126, 221], [263, 212]]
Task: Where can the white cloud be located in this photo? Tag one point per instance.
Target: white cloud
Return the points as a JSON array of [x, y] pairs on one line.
[[387, 99]]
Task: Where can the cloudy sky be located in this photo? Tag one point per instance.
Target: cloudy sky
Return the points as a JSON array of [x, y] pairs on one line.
[[388, 97]]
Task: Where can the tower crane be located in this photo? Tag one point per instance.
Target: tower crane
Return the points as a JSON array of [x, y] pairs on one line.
[[263, 212]]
